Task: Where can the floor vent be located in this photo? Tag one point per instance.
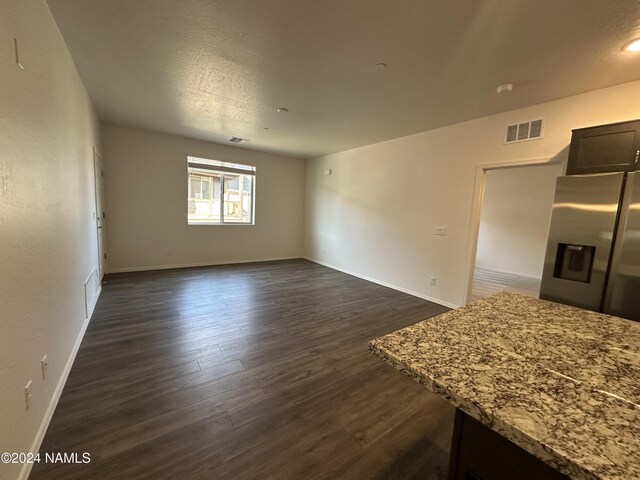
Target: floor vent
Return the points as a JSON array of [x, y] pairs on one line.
[[238, 140], [520, 132], [91, 287]]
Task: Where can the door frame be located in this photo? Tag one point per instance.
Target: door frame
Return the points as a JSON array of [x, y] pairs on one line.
[[98, 178], [478, 196]]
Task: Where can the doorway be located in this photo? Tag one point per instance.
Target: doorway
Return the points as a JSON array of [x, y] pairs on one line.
[[99, 212], [514, 216]]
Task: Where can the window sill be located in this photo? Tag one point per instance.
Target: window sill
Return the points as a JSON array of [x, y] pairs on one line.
[[219, 224]]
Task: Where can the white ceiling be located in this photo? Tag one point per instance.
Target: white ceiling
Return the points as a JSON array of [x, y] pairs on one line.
[[213, 69]]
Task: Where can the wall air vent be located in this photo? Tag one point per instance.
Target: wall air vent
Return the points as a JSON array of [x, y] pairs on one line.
[[238, 140], [520, 132]]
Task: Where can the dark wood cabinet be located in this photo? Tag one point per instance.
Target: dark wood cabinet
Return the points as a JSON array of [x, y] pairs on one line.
[[479, 453], [605, 148]]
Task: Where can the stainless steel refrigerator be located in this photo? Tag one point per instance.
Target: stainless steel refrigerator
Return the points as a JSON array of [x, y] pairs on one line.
[[593, 252]]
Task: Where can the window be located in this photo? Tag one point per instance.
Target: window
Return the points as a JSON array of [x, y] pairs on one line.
[[220, 193]]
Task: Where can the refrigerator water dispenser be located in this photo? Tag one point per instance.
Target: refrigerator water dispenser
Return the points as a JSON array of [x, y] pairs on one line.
[[574, 262]]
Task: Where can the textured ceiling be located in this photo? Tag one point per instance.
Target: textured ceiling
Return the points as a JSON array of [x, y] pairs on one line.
[[214, 69]]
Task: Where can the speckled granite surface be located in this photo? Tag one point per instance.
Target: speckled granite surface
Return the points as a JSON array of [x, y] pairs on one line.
[[561, 382]]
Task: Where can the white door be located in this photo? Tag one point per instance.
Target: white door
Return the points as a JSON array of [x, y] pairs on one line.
[[100, 213]]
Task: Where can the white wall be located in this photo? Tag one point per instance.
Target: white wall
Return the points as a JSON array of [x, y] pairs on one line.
[[376, 214], [515, 217], [47, 232], [146, 191]]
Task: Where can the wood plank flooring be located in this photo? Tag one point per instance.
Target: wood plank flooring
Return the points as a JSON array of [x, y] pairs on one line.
[[253, 371]]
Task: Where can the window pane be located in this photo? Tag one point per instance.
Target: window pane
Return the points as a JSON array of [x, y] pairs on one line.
[[216, 187], [247, 198], [231, 182], [238, 202], [206, 188], [195, 187], [204, 205], [219, 196], [232, 210]]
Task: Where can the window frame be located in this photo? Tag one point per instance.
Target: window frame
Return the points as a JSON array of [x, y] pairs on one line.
[[222, 169]]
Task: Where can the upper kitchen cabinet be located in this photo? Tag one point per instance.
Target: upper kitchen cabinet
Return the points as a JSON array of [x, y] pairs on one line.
[[605, 148]]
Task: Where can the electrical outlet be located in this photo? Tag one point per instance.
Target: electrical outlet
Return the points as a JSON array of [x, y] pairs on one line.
[[442, 231], [44, 363], [432, 281], [27, 395]]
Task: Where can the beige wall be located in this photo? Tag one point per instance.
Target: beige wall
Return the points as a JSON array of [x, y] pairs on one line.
[[146, 189], [515, 217], [47, 233], [375, 215]]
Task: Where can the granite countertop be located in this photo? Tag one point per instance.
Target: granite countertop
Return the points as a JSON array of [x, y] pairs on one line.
[[561, 382]]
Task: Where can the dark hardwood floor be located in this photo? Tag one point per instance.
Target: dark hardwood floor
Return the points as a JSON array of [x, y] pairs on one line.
[[254, 371]]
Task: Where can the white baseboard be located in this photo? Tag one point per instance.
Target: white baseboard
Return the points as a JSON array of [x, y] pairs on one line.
[[384, 284], [199, 264], [42, 430]]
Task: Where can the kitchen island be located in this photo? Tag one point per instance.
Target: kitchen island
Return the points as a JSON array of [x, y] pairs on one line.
[[560, 384]]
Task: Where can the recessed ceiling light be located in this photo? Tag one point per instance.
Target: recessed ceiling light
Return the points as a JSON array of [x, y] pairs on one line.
[[504, 88], [283, 110], [632, 46], [381, 66]]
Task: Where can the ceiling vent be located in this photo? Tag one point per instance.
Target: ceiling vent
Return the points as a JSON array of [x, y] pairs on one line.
[[238, 140], [520, 132]]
